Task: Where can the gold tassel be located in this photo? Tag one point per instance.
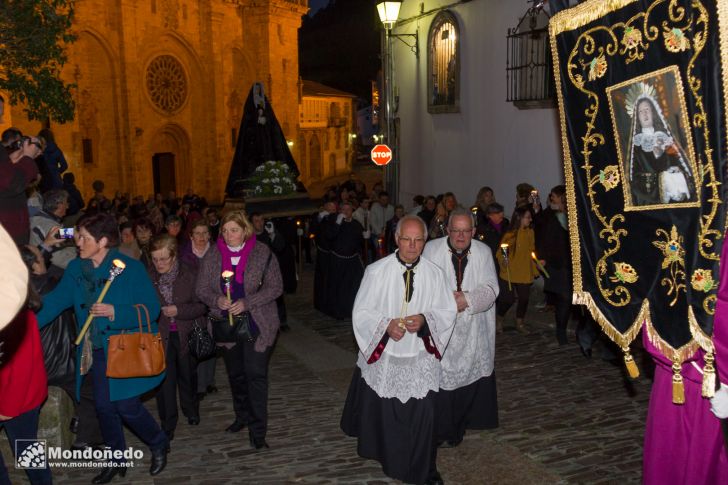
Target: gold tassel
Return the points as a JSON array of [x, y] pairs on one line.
[[678, 389], [629, 362], [709, 376]]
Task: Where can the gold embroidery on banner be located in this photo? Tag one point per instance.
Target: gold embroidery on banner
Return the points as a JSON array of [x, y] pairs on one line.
[[674, 258], [702, 280], [621, 339], [631, 47], [676, 355], [583, 14], [609, 177], [705, 342], [624, 273]]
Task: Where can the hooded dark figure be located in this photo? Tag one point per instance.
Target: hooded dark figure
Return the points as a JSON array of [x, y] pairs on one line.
[[260, 140]]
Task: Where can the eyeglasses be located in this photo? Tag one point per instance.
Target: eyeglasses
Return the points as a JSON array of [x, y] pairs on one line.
[[460, 232], [408, 240], [161, 260]]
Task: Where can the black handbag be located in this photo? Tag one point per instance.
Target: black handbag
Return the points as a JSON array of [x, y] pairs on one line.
[[243, 328], [200, 344], [59, 354]]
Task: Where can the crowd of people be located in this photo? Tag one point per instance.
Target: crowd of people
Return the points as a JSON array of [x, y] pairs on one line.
[[355, 228], [176, 255]]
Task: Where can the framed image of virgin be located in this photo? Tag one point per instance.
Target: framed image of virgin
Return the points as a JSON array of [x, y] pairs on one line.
[[655, 150]]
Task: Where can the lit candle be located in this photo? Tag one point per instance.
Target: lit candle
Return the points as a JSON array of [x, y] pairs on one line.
[[504, 249], [117, 266], [540, 266], [227, 277]]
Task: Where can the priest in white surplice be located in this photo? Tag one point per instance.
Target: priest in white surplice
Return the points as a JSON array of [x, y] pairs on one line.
[[403, 317], [467, 397]]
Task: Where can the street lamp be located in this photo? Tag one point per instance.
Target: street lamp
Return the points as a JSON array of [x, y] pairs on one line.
[[388, 13]]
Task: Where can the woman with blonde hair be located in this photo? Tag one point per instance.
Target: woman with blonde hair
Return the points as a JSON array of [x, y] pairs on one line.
[[253, 285]]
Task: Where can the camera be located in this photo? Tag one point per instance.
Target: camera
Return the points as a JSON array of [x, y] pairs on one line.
[[269, 225], [65, 233]]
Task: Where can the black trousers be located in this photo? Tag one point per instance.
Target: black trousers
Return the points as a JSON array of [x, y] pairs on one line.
[[562, 312], [507, 297], [248, 374], [89, 430], [182, 375]]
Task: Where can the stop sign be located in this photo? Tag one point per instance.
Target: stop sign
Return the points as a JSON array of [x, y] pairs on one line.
[[381, 154]]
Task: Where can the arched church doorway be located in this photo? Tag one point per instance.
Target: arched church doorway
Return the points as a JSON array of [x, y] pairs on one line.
[[163, 172]]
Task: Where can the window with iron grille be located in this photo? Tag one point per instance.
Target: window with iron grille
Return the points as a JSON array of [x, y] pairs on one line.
[[443, 65], [529, 68]]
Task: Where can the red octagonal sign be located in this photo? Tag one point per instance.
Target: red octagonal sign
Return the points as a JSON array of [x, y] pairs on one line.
[[381, 154]]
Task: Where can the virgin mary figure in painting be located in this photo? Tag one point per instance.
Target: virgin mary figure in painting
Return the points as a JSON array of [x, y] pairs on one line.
[[658, 168]]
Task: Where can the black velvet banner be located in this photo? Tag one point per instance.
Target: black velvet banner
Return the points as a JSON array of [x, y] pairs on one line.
[[641, 94]]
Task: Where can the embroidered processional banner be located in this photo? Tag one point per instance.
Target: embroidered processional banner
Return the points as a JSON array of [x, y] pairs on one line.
[[642, 87]]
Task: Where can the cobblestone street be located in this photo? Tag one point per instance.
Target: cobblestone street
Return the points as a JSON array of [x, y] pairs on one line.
[[564, 419]]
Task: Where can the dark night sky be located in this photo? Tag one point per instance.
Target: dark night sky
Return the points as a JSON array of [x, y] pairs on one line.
[[316, 4]]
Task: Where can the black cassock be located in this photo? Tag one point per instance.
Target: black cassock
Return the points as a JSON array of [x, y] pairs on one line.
[[320, 228], [346, 268]]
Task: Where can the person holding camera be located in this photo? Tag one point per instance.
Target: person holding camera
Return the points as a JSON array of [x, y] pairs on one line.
[[61, 251], [239, 280], [17, 171]]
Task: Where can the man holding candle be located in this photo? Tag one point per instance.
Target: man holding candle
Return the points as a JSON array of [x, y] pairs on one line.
[[403, 317], [467, 397]]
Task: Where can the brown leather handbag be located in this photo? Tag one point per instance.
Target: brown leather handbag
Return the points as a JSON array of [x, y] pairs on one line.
[[138, 354]]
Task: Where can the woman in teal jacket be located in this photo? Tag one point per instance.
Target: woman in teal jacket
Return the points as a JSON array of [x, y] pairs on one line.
[[117, 400]]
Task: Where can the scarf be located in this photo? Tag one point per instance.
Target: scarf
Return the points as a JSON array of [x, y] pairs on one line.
[[166, 282], [242, 253]]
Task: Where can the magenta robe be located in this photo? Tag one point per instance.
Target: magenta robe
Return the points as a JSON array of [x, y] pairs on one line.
[[684, 443]]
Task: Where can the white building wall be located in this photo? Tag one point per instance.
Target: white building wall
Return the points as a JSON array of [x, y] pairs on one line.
[[490, 142]]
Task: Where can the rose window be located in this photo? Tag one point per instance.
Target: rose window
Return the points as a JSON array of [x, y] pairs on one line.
[[167, 83]]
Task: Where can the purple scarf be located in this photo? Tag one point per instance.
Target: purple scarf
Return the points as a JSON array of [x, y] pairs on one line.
[[227, 254]]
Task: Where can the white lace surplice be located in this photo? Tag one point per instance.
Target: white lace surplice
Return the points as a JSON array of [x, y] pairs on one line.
[[405, 370], [470, 355]]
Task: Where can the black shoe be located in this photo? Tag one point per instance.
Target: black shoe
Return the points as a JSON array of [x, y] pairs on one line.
[[170, 435], [586, 352], [258, 443], [450, 443], [79, 445], [211, 389], [159, 460], [194, 420], [285, 327], [434, 479], [201, 396], [235, 427], [108, 474], [73, 426]]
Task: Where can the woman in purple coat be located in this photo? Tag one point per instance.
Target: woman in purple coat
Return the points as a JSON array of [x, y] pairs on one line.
[[254, 287]]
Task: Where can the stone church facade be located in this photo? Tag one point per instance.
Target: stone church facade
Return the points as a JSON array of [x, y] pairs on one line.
[[161, 86]]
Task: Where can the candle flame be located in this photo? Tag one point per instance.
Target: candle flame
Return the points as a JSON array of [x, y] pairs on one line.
[[227, 274], [533, 255], [504, 246], [119, 263]]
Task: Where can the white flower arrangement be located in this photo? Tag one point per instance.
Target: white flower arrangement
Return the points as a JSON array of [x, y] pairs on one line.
[[272, 179]]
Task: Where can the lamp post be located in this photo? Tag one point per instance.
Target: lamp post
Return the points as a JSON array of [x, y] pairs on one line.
[[388, 13]]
